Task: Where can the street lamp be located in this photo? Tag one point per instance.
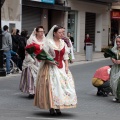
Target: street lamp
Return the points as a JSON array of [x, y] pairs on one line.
[[2, 71]]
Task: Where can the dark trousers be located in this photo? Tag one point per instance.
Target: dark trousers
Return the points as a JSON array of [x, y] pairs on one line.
[[105, 87]]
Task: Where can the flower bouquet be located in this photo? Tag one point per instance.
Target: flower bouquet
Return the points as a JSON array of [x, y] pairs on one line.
[[108, 53], [30, 48], [40, 54], [43, 56]]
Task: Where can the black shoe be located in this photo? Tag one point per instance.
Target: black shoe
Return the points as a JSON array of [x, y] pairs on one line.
[[31, 96], [99, 93], [105, 94], [52, 112], [58, 111]]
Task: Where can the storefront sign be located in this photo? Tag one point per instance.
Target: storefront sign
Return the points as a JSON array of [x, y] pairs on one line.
[[48, 1], [115, 14], [45, 1]]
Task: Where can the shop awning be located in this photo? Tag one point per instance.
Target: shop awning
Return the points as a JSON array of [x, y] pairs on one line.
[[45, 5], [106, 2]]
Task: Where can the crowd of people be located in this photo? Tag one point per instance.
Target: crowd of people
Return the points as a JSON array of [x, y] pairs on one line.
[[43, 61], [16, 42]]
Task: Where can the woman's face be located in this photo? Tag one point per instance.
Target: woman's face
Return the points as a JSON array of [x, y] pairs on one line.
[[58, 34], [68, 34], [118, 42], [40, 32], [87, 35]]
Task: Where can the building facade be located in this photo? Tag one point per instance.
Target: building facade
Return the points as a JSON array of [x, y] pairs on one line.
[[78, 17], [27, 14], [90, 18]]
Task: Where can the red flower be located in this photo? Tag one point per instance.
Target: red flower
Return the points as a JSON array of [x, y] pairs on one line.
[[33, 48], [30, 48]]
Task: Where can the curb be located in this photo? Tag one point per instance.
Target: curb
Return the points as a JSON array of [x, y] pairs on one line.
[[11, 75], [86, 62], [73, 64]]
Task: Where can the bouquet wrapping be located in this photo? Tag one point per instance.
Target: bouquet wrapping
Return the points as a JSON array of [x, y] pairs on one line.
[[108, 53]]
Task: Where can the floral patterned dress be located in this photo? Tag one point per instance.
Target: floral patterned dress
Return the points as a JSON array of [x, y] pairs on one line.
[[55, 88]]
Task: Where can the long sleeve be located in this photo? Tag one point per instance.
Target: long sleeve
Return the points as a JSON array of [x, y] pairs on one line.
[[71, 50], [10, 41]]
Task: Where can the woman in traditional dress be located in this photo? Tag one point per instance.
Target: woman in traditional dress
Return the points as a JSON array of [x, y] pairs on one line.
[[55, 88], [115, 71], [67, 40], [31, 64]]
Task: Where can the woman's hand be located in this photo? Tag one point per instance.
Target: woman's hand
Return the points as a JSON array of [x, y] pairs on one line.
[[66, 70], [117, 61], [113, 60], [66, 66]]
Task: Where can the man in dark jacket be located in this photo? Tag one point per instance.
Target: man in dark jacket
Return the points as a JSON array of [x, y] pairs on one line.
[[7, 46]]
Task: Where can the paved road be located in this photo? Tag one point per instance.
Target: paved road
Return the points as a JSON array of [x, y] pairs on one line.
[[16, 106]]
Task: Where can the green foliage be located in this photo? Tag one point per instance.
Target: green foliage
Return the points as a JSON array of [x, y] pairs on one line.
[[44, 56], [109, 53]]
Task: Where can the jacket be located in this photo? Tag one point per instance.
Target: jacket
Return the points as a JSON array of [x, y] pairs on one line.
[[6, 41]]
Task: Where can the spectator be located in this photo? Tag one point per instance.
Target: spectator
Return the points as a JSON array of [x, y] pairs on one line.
[[21, 49], [70, 37], [114, 37], [7, 46], [101, 81], [87, 40], [17, 32], [14, 40]]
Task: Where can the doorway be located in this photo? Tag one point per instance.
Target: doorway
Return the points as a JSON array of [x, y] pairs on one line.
[[114, 28], [90, 21]]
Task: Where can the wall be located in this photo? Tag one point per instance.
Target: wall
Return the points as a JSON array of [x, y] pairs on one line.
[[44, 19], [11, 13], [17, 24], [81, 31], [57, 18], [98, 32]]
